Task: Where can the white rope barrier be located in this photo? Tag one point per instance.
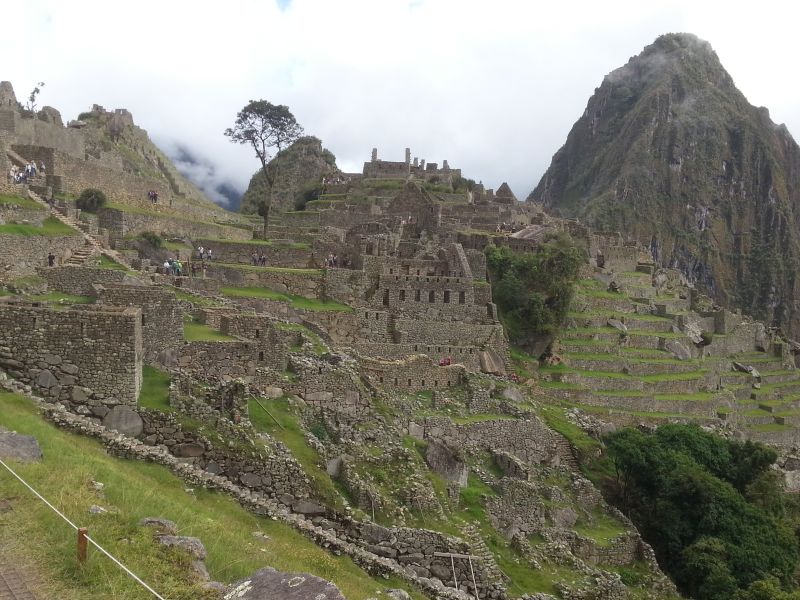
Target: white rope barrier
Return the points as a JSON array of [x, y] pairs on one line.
[[75, 527]]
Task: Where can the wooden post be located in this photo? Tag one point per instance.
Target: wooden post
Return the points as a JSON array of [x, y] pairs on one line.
[[82, 545]]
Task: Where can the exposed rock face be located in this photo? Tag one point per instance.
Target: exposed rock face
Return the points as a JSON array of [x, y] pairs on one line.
[[670, 152], [301, 166], [269, 583]]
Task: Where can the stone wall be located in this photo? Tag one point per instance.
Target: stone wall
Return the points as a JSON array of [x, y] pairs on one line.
[[80, 281], [527, 439], [277, 254], [123, 223], [20, 255], [161, 315], [413, 373], [35, 132], [14, 213], [303, 283], [77, 356]]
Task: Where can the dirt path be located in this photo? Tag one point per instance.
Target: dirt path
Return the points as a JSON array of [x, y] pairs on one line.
[[12, 582]]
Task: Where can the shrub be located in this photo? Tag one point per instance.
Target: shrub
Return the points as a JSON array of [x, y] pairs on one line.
[[91, 200], [152, 238]]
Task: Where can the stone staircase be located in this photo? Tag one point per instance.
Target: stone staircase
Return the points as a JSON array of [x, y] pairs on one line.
[[473, 537], [80, 256], [96, 246]]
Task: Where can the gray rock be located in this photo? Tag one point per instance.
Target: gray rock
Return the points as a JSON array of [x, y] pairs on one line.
[[618, 325], [52, 359], [374, 533], [23, 448], [213, 468], [491, 362], [188, 450], [99, 411], [397, 595], [46, 379], [250, 480], [273, 392], [80, 394], [69, 368], [416, 431], [334, 466], [124, 420], [162, 525], [513, 394], [447, 462], [192, 545], [269, 583], [309, 509], [677, 350]]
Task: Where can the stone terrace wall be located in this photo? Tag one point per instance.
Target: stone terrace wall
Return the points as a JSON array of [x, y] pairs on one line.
[[226, 360], [529, 440], [414, 373], [306, 283], [277, 254], [170, 224], [20, 255], [13, 213], [74, 355], [162, 317], [80, 281], [469, 356]]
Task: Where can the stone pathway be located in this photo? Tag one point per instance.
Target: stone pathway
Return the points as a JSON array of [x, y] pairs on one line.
[[12, 582]]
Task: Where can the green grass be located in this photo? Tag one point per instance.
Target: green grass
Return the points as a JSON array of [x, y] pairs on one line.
[[61, 298], [106, 262], [20, 201], [319, 347], [202, 301], [299, 302], [155, 389], [134, 490], [602, 531], [51, 227], [291, 433], [199, 332], [276, 243]]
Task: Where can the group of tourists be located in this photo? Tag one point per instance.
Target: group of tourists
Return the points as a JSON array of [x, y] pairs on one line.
[[506, 227], [333, 261], [152, 195], [204, 253], [173, 267], [335, 180], [258, 259], [25, 174]]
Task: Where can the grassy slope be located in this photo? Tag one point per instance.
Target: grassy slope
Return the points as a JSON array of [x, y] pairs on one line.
[[134, 490], [51, 227]]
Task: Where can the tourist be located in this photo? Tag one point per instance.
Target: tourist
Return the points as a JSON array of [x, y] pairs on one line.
[[178, 267], [254, 258], [167, 267], [200, 252], [51, 259], [209, 254], [262, 259]]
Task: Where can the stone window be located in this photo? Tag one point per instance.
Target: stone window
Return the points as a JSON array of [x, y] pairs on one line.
[[366, 315], [261, 356], [409, 383], [435, 383], [417, 295], [258, 333], [402, 296], [142, 319], [83, 329], [423, 383], [462, 297], [447, 296], [431, 296], [381, 378]]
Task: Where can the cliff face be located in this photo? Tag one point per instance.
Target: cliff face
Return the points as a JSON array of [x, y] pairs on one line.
[[670, 152], [302, 164]]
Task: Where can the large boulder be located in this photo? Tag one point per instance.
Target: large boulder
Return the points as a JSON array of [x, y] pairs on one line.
[[23, 448], [491, 362], [446, 460], [269, 583], [124, 420]]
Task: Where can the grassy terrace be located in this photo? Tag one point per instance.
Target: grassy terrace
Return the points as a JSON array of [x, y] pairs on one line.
[[155, 389], [61, 298], [688, 376], [133, 490], [6, 200], [243, 267], [275, 243], [299, 302], [193, 331], [51, 227]]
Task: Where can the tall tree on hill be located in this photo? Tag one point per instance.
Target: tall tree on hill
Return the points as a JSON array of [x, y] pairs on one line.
[[266, 127]]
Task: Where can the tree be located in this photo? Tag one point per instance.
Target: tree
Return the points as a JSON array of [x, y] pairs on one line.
[[91, 200], [266, 127], [31, 106]]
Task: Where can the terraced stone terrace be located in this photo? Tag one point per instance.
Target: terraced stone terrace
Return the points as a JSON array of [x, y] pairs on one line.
[[626, 356]]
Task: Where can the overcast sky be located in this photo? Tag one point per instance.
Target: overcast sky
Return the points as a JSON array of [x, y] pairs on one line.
[[493, 86]]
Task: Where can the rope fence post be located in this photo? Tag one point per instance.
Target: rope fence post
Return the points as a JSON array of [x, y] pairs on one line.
[[82, 545]]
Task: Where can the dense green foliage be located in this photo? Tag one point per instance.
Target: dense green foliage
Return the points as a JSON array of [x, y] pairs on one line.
[[711, 508], [533, 290], [91, 200], [152, 238]]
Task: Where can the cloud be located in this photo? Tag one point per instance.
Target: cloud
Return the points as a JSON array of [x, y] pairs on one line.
[[492, 87]]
